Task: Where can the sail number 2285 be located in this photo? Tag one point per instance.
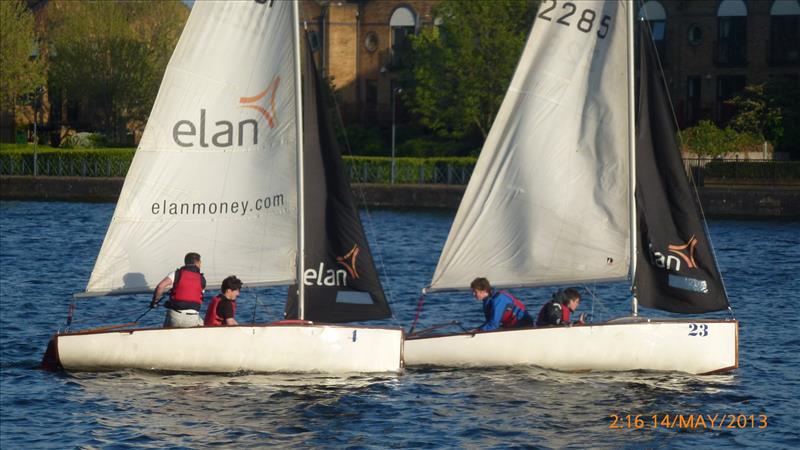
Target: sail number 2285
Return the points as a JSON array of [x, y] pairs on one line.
[[585, 21]]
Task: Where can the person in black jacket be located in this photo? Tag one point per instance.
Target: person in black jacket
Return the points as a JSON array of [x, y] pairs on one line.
[[559, 309]]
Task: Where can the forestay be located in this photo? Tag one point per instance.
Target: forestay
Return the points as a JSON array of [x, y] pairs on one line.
[[216, 168], [548, 202]]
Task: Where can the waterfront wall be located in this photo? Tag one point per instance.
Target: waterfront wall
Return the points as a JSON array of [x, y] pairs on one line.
[[767, 202]]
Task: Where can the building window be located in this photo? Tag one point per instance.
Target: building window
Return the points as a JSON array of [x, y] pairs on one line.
[[731, 48], [402, 23], [728, 86], [693, 100], [784, 33], [654, 14], [695, 35], [371, 41]]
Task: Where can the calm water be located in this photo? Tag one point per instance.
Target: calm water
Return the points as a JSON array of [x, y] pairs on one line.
[[47, 251]]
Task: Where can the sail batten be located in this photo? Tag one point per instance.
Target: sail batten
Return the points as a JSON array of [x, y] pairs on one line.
[[548, 200], [215, 170]]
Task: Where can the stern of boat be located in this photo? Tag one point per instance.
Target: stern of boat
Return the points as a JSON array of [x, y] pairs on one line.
[[50, 361]]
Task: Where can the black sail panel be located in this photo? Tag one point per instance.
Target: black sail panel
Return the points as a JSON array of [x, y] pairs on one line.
[[676, 270], [341, 282]]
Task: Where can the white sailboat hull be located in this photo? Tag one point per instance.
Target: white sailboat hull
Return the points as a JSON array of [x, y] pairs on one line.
[[289, 348], [697, 347]]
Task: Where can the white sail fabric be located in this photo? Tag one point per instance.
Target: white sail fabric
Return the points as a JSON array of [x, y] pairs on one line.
[[215, 172], [548, 202]]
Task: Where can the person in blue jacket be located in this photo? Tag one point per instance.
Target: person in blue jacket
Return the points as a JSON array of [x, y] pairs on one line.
[[502, 310]]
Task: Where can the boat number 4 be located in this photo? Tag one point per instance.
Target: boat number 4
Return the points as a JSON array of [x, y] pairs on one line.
[[698, 329], [585, 23]]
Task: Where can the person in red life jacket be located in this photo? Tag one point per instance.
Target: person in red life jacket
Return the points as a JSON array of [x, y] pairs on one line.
[[558, 311], [501, 309], [186, 296], [222, 309]]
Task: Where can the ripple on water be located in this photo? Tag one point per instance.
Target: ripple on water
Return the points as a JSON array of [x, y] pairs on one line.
[[423, 408]]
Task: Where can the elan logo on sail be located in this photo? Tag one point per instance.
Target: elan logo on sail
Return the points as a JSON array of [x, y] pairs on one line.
[[680, 252], [349, 261], [186, 133], [333, 277]]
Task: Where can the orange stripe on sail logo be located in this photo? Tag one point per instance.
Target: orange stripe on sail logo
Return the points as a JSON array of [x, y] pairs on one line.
[[269, 115], [349, 261], [685, 251]]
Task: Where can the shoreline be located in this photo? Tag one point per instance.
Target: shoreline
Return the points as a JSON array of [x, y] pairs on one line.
[[718, 201]]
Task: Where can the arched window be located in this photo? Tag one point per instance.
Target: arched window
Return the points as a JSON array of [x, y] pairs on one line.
[[653, 12], [402, 23], [784, 32], [731, 47]]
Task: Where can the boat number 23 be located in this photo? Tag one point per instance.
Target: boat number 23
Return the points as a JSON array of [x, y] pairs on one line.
[[698, 329], [585, 21]]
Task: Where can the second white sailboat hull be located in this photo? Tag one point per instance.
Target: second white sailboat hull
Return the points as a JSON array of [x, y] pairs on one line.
[[251, 348], [697, 347]]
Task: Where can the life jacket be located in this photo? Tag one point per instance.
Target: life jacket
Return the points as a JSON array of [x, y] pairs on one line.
[[188, 285], [565, 314], [512, 314], [544, 313], [212, 318]]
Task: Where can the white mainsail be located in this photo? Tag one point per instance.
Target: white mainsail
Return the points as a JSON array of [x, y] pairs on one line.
[[549, 199], [215, 172]]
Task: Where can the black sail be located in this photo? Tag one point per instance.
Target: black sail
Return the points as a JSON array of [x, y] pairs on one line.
[[341, 282], [676, 270]]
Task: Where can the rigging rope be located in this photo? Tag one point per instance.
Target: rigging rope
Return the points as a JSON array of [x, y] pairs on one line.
[[420, 302]]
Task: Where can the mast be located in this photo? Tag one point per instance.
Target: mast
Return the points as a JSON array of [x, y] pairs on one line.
[[300, 196], [632, 156]]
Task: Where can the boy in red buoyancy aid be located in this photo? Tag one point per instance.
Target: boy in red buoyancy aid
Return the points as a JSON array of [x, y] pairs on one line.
[[501, 309], [222, 309]]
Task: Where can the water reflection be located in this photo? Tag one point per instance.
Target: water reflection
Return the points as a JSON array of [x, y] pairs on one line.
[[564, 409], [177, 410], [477, 408]]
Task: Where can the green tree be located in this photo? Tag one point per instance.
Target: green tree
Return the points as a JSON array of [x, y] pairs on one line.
[[19, 73], [459, 71], [706, 139], [784, 94], [112, 55], [757, 114]]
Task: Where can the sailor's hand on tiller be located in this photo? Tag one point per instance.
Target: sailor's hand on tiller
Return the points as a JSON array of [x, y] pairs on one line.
[[154, 302]]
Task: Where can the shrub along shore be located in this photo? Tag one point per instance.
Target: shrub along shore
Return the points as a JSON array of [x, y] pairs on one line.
[[720, 201], [22, 159], [727, 189]]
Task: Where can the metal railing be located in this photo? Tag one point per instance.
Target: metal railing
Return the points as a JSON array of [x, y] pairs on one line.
[[381, 173], [707, 171], [59, 166], [702, 170], [359, 171]]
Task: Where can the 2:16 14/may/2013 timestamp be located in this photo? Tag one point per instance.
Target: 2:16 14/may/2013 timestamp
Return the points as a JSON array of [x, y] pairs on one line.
[[715, 421]]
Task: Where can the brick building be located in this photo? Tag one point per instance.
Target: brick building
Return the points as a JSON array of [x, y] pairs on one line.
[[710, 49], [355, 41]]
